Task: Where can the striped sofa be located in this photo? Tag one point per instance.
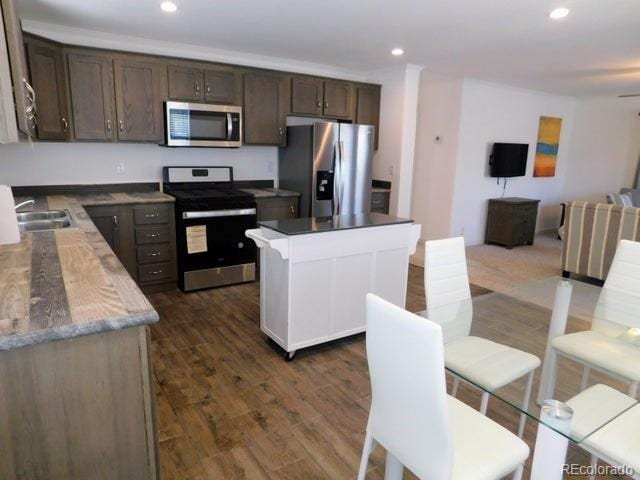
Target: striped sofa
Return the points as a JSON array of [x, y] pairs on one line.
[[592, 232]]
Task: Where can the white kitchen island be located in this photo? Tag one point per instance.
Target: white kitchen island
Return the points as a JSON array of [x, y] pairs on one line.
[[315, 274]]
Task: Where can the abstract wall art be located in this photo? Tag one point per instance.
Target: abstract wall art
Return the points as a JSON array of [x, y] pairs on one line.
[[547, 147]]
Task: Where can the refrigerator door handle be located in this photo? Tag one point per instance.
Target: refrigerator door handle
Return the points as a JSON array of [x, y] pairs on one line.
[[335, 201], [340, 185]]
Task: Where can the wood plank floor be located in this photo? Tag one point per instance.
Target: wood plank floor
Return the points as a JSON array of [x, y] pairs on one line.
[[229, 407]]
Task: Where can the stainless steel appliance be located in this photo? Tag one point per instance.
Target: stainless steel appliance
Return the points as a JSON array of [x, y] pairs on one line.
[[202, 125], [211, 218], [330, 164]]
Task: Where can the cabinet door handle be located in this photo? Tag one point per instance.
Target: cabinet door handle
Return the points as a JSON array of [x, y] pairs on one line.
[[31, 94], [108, 125], [280, 131], [293, 210], [208, 88], [156, 272], [65, 124], [326, 104], [152, 215], [319, 104], [197, 87], [153, 254], [152, 235], [115, 220], [121, 123]]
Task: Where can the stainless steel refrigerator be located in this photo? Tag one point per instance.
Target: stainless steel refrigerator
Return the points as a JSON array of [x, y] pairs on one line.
[[330, 165]]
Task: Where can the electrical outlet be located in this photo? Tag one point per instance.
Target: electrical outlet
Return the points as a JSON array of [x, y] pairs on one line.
[[390, 170], [120, 168]]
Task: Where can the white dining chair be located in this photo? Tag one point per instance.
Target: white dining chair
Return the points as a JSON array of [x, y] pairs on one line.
[[488, 364], [432, 434], [609, 346], [607, 423]]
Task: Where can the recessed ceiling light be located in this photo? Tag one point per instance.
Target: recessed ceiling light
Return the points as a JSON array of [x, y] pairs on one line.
[[559, 13], [168, 7], [397, 52]]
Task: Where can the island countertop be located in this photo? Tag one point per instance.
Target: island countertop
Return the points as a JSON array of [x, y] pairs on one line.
[[65, 283], [302, 226]]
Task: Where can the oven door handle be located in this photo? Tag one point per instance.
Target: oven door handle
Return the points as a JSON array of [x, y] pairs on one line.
[[229, 127], [219, 213]]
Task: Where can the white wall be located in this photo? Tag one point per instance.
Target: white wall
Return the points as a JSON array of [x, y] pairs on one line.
[[496, 113], [605, 148], [398, 112], [439, 104], [43, 163]]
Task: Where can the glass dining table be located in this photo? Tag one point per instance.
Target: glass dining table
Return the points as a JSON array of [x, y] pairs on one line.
[[577, 394]]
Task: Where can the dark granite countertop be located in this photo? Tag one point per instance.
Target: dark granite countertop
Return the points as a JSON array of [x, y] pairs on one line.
[[301, 226]]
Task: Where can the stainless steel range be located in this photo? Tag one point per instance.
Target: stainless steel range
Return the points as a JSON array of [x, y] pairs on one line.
[[211, 218]]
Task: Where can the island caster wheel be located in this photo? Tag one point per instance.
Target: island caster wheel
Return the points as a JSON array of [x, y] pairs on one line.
[[289, 356]]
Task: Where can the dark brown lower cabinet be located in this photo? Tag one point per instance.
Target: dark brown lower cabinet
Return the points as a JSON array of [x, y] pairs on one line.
[[380, 202], [511, 221], [79, 408], [277, 208], [107, 221], [143, 237]]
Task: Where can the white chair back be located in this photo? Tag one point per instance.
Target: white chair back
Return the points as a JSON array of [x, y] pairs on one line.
[[624, 274], [619, 302], [409, 415], [446, 280], [446, 284]]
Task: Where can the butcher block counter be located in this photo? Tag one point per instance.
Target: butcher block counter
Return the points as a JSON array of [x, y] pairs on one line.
[[74, 353]]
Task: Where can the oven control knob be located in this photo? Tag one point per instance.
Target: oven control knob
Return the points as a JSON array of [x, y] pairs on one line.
[[240, 245]]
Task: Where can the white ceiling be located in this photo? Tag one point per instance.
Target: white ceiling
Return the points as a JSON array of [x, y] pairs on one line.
[[593, 51]]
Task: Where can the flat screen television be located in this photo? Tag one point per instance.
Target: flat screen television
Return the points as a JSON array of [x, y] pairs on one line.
[[508, 160]]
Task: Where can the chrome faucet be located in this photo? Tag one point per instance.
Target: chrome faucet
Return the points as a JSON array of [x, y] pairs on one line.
[[26, 202]]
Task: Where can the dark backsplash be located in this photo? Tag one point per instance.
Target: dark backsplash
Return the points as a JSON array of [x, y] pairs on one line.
[[85, 189], [381, 184]]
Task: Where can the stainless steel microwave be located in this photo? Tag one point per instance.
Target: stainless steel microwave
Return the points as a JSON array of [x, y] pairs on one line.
[[202, 125]]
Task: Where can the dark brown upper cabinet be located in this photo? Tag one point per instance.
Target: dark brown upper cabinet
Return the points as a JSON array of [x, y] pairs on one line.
[[91, 91], [368, 107], [48, 78], [222, 86], [118, 96], [306, 95], [24, 94], [265, 121], [185, 83], [193, 83], [321, 97], [338, 98], [138, 85]]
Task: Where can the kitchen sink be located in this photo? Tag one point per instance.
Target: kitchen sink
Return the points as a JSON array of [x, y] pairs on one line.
[[45, 215], [46, 220]]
